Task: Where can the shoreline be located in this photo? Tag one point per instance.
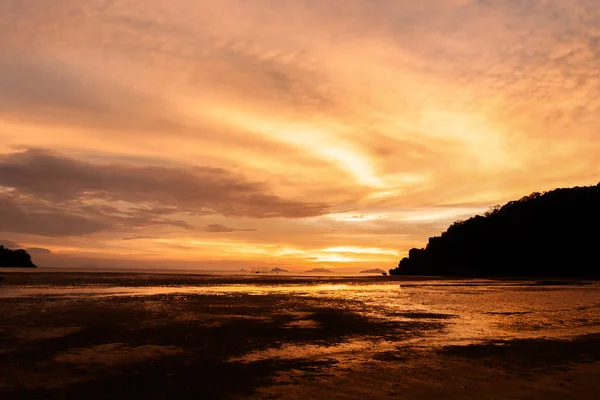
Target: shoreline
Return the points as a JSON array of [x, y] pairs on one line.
[[326, 338], [226, 273]]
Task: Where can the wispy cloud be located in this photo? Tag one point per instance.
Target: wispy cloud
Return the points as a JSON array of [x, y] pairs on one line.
[[216, 228]]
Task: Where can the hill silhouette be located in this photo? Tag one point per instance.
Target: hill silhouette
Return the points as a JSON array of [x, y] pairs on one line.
[[372, 271], [554, 233], [15, 258]]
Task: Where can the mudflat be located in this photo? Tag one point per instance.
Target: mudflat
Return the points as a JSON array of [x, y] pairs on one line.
[[157, 336]]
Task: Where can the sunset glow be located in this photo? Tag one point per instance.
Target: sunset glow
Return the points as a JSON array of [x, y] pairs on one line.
[[338, 134]]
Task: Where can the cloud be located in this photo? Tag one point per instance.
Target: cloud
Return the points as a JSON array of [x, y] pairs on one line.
[[36, 251], [45, 220], [151, 190], [139, 237], [216, 228], [32, 250], [10, 244]]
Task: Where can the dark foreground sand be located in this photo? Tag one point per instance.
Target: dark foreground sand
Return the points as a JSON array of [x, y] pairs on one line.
[[271, 346]]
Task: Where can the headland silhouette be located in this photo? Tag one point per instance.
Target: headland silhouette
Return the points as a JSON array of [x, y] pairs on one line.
[[553, 233], [15, 258]]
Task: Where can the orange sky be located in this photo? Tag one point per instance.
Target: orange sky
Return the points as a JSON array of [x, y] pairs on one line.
[[297, 133]]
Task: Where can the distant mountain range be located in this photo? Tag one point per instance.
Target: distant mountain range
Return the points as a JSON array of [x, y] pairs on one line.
[[551, 234], [372, 271], [320, 270], [276, 270]]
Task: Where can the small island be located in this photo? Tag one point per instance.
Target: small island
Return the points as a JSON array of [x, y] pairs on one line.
[[278, 270], [15, 258], [373, 271], [320, 270], [551, 234]]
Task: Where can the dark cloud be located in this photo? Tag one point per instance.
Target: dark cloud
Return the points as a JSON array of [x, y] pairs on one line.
[[47, 194], [31, 215], [139, 237], [36, 251], [9, 244], [32, 250], [45, 220], [216, 228]]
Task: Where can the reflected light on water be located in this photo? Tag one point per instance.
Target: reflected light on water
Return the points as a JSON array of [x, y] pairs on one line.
[[252, 289], [468, 310]]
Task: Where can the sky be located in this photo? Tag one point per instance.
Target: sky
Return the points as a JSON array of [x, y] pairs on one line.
[[299, 133]]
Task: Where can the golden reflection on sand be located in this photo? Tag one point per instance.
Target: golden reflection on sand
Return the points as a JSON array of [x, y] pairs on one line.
[[349, 290], [346, 353], [468, 310]]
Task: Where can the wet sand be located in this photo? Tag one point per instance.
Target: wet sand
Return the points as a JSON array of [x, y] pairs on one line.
[[159, 336]]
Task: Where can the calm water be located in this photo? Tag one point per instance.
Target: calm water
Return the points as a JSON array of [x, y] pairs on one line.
[[94, 335], [471, 310]]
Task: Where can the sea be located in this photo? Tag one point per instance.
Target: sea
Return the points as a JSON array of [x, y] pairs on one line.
[[225, 335], [470, 310]]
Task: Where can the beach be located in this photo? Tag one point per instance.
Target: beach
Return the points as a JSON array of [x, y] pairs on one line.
[[111, 335]]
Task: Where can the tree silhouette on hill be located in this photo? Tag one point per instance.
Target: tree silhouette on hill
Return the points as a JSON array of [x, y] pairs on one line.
[[555, 233], [15, 258]]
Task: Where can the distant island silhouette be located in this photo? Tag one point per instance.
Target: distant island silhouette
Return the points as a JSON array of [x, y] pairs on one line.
[[320, 270], [372, 271], [279, 270], [554, 233], [15, 258]]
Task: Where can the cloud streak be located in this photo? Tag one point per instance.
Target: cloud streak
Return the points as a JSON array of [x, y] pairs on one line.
[[199, 190], [216, 228]]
